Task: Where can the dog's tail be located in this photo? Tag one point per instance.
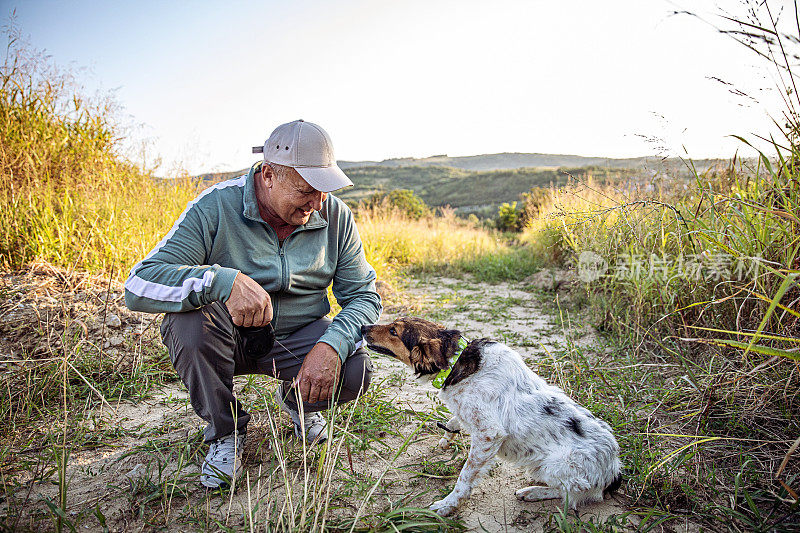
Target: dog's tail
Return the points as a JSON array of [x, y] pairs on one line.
[[614, 485]]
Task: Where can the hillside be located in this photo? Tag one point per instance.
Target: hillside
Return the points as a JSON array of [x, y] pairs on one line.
[[479, 184], [468, 191], [513, 160]]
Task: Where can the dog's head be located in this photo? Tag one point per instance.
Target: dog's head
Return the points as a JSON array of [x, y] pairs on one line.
[[422, 345]]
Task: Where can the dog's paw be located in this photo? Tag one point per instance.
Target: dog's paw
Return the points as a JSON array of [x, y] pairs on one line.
[[443, 507], [444, 443]]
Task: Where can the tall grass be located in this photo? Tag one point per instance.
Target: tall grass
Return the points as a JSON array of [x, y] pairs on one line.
[[722, 253], [397, 244], [394, 241], [67, 196]]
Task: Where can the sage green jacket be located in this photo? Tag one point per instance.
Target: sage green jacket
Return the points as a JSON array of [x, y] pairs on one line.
[[221, 233]]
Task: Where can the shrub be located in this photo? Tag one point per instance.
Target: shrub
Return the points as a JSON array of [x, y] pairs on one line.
[[508, 218], [404, 200]]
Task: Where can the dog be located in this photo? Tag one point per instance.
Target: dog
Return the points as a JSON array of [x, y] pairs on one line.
[[509, 412]]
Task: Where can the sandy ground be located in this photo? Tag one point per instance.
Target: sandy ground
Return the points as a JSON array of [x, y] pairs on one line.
[[105, 477]]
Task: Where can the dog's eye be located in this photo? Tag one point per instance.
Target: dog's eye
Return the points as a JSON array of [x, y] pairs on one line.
[[392, 332]]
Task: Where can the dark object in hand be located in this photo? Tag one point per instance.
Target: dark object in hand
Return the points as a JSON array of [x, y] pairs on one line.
[[257, 342]]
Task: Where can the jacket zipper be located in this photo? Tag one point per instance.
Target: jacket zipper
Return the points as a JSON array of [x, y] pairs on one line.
[[284, 271], [284, 268]]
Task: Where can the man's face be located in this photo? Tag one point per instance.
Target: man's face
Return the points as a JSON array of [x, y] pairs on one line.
[[291, 197]]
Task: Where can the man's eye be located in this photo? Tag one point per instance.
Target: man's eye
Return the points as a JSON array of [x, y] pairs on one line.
[[392, 332]]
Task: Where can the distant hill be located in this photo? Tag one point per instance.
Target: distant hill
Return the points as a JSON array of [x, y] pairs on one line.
[[479, 184], [468, 191], [512, 160]]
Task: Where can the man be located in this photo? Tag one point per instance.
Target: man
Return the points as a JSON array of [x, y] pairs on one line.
[[255, 252]]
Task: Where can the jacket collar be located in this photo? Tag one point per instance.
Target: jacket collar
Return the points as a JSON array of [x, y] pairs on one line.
[[251, 205]]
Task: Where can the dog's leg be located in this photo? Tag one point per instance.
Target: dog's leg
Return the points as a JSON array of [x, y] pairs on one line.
[[452, 427], [566, 469], [483, 448], [536, 493]]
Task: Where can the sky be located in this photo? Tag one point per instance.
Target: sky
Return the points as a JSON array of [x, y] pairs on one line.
[[204, 82]]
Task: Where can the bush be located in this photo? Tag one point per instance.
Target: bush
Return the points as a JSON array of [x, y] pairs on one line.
[[508, 218], [532, 201], [404, 200]]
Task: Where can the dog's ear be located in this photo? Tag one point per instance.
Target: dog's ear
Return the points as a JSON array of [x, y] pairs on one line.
[[428, 357], [434, 353], [449, 333]]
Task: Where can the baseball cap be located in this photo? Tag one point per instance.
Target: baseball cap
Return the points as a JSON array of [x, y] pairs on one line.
[[307, 148]]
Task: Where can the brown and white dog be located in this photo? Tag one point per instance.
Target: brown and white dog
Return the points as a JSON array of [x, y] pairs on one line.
[[509, 412]]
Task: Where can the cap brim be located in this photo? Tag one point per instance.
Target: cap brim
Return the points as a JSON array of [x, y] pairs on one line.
[[325, 179]]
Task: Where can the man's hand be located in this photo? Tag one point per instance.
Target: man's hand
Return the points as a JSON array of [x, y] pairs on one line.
[[249, 304], [319, 374]]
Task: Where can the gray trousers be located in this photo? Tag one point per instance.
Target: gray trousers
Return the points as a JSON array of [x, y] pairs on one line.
[[205, 349]]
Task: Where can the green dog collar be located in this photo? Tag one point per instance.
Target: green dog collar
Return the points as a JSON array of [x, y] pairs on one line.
[[438, 381]]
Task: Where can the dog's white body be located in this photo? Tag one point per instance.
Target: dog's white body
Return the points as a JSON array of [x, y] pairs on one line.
[[511, 412]]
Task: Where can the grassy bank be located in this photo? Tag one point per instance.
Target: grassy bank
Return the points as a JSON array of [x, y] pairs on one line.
[[66, 195], [701, 285]]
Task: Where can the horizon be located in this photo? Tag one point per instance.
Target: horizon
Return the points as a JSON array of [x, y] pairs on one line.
[[448, 156], [624, 79], [591, 156], [350, 161]]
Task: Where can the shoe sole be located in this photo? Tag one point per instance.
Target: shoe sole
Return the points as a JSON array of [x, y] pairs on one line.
[[223, 484]]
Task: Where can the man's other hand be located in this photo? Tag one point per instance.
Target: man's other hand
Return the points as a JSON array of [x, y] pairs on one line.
[[319, 374], [249, 304]]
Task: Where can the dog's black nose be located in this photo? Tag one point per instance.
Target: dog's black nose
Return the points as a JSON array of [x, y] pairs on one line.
[[365, 329]]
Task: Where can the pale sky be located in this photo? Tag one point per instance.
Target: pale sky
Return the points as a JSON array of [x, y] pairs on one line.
[[209, 80]]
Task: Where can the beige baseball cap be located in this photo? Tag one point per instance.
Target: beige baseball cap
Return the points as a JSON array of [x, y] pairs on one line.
[[307, 148]]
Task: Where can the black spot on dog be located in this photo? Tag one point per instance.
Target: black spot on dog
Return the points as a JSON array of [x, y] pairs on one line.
[[551, 407], [468, 362], [614, 485], [575, 425]]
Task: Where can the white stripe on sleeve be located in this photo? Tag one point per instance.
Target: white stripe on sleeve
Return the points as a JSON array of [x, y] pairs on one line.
[[165, 293]]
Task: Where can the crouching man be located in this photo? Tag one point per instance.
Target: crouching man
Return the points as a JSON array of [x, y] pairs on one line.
[[242, 277]]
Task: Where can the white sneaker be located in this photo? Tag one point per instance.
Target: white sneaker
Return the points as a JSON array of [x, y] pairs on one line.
[[314, 424], [223, 463]]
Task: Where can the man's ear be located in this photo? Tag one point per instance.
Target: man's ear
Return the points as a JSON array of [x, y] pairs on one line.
[[268, 174]]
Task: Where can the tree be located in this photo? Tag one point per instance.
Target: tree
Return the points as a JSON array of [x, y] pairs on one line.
[[508, 218], [401, 199]]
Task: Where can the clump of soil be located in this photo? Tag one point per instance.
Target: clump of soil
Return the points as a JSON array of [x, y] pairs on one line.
[[43, 307]]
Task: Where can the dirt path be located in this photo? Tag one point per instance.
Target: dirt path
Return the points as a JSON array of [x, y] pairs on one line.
[[142, 472]]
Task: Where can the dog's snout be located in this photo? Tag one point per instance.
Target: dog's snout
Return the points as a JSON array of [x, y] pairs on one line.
[[365, 330]]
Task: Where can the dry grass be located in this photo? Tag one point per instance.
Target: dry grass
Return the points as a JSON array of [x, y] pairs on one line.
[[723, 410], [394, 240], [66, 195]]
